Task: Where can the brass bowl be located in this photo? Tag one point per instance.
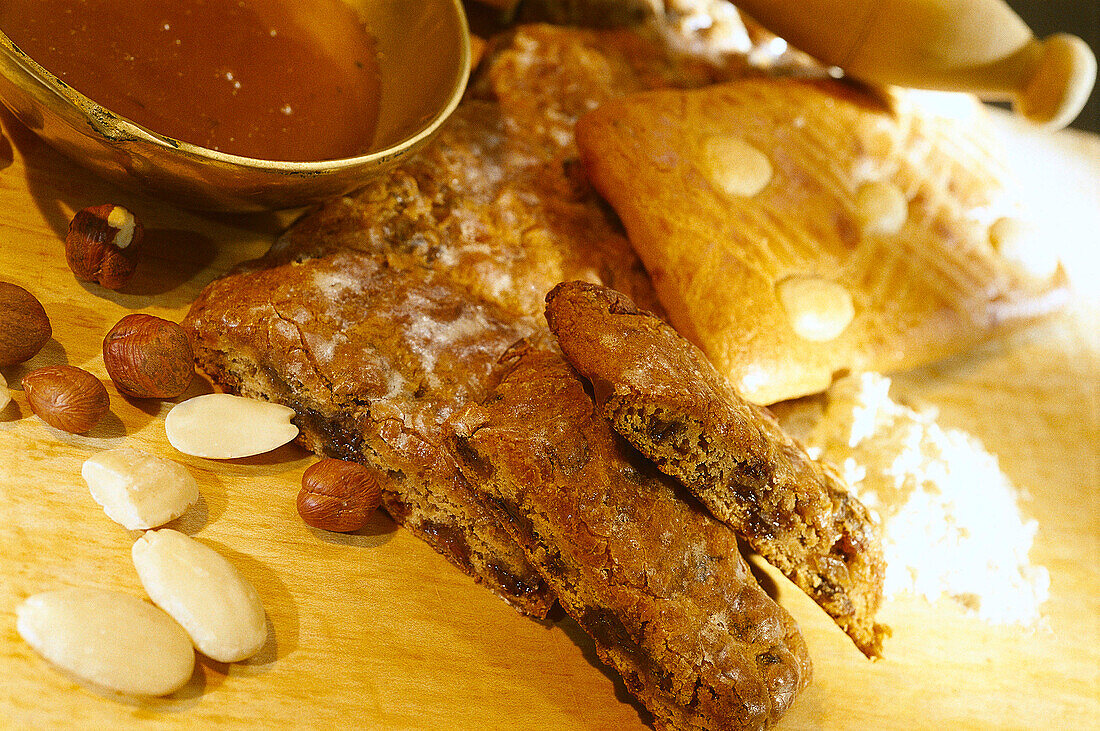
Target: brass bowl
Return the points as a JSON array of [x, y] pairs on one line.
[[419, 91]]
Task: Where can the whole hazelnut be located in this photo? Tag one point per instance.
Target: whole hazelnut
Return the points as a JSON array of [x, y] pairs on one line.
[[66, 397], [103, 245], [148, 357], [339, 496], [24, 327]]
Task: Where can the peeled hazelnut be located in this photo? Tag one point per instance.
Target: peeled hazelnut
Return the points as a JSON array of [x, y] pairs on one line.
[[24, 327], [338, 496], [103, 244], [66, 397], [148, 357]]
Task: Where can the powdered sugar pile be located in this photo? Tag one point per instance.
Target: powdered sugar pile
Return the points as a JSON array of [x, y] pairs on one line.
[[951, 520]]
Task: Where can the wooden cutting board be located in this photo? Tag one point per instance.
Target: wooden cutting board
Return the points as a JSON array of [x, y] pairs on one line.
[[375, 630]]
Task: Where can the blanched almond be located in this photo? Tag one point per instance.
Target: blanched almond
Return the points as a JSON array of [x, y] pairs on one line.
[[882, 207], [735, 166], [223, 426], [204, 592], [1022, 245], [113, 640], [818, 309], [139, 490]]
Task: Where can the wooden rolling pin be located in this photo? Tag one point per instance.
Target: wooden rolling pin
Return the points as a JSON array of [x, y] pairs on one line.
[[976, 46]]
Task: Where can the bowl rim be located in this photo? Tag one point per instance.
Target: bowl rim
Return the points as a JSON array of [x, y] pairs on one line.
[[128, 130]]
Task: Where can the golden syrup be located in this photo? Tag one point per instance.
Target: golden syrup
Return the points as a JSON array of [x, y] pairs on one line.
[[269, 79]]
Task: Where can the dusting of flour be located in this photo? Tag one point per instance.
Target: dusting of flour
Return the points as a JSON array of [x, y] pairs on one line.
[[951, 521]]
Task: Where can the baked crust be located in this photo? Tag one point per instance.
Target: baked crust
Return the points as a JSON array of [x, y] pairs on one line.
[[662, 394], [657, 582], [878, 208]]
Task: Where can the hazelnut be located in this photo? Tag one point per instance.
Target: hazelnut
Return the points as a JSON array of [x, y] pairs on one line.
[[338, 496], [148, 357], [24, 327], [66, 397], [103, 244]]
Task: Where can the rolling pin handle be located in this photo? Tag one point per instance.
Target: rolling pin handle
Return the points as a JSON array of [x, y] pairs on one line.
[[1060, 84], [977, 46]]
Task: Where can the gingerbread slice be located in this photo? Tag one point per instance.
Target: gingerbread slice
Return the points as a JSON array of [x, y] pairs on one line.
[[371, 357], [662, 394], [656, 581], [796, 229]]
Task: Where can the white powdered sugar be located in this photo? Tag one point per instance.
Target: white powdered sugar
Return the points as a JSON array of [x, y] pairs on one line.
[[951, 520]]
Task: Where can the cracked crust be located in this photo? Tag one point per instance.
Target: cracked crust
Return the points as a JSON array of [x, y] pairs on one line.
[[658, 583], [372, 358], [661, 393]]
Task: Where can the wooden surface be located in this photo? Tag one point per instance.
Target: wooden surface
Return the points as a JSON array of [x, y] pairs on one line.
[[375, 630]]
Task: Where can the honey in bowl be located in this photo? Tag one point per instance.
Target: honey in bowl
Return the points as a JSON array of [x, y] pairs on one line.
[[267, 79]]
